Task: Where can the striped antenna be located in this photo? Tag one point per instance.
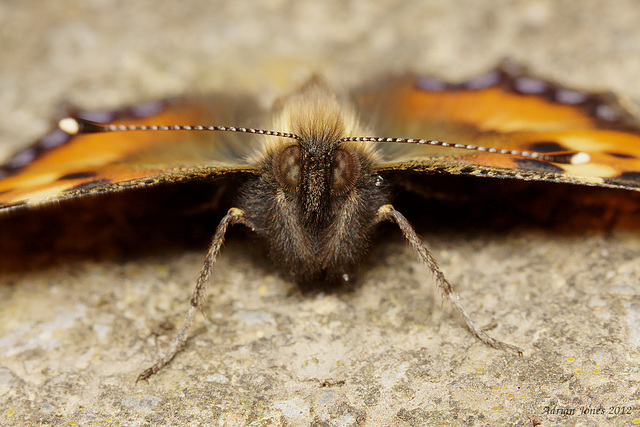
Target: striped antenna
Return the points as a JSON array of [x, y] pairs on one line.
[[566, 157], [75, 126]]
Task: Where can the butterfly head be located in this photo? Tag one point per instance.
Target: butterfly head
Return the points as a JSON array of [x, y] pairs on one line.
[[315, 171]]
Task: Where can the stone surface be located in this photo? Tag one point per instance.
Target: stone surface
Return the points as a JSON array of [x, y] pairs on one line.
[[76, 330]]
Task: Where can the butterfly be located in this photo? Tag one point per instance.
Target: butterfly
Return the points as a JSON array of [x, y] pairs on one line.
[[316, 186]]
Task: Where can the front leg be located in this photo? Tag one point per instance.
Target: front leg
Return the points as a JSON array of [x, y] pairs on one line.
[[389, 213], [234, 216]]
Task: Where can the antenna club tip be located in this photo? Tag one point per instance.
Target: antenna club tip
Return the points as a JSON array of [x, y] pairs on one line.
[[580, 158], [69, 125]]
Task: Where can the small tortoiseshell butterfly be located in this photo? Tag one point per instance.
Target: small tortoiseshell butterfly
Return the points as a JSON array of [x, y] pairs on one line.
[[316, 186]]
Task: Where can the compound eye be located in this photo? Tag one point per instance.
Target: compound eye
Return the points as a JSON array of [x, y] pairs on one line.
[[286, 167], [345, 171]]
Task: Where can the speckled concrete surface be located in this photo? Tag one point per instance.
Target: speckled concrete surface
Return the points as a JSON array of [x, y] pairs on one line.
[[75, 333]]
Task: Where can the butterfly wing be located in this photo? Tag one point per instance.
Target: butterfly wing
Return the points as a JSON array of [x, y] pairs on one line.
[[507, 109], [60, 166], [502, 109]]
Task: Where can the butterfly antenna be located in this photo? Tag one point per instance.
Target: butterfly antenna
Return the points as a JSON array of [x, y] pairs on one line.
[[75, 126], [565, 157]]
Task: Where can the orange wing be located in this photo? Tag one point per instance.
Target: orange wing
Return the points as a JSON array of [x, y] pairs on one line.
[[502, 109], [59, 166], [505, 109]]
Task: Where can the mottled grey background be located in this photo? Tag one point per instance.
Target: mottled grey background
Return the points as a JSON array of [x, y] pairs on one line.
[[75, 333]]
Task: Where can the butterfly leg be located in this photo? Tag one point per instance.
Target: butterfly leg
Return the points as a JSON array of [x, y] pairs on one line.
[[389, 213], [234, 216]]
